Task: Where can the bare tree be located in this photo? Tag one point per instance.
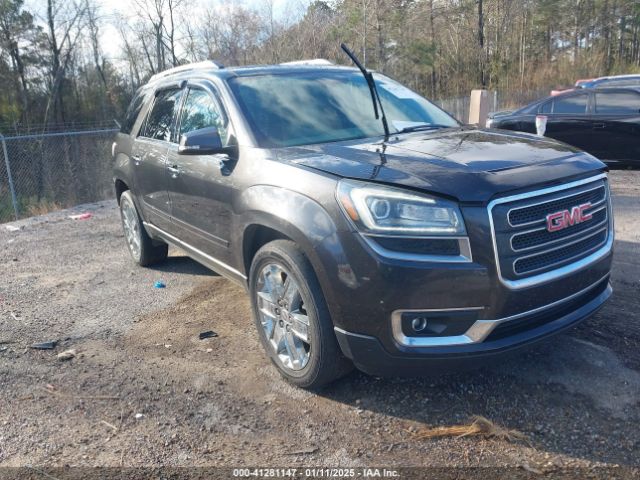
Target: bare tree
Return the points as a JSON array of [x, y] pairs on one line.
[[16, 26], [56, 67], [63, 32]]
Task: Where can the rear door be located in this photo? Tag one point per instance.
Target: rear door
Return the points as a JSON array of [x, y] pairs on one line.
[[568, 119], [201, 186], [616, 121], [149, 156]]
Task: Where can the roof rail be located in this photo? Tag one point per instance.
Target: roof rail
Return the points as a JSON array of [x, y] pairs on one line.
[[313, 61], [206, 65]]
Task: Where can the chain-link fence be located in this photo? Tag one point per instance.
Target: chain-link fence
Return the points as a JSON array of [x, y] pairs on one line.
[[498, 100], [458, 107], [44, 172], [40, 172]]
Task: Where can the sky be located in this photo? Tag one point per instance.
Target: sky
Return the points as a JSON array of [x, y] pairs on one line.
[[127, 9], [110, 10]]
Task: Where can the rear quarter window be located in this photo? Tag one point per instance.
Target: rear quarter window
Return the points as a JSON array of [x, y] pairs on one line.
[[576, 104], [622, 82], [135, 107], [617, 103]]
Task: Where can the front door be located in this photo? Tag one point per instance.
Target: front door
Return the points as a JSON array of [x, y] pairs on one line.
[[569, 120], [201, 186], [150, 159], [616, 122]]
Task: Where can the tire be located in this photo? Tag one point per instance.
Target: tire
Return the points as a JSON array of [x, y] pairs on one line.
[[279, 270], [144, 250]]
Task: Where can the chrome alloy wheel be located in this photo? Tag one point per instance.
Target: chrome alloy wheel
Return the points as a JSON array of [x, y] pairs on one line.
[[131, 227], [283, 316]]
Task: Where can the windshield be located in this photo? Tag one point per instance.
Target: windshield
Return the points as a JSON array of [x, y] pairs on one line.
[[316, 107]]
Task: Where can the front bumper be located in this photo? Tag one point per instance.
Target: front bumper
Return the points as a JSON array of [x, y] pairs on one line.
[[366, 292], [473, 308], [508, 334]]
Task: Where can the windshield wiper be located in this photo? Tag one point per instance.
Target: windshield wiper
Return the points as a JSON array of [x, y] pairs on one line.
[[375, 97], [419, 128]]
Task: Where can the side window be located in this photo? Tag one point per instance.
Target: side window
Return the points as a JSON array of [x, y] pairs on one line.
[[617, 103], [158, 125], [569, 105], [622, 82], [133, 111], [545, 107], [201, 110]]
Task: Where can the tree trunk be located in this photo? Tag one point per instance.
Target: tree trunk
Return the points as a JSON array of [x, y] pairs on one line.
[[435, 50], [56, 92], [483, 79], [623, 29]]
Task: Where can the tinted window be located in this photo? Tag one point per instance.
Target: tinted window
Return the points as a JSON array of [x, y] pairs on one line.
[[327, 106], [575, 104], [158, 124], [201, 110], [621, 82], [133, 111], [617, 103], [546, 107]]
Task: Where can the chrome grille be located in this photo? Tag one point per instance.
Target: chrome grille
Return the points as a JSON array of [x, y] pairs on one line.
[[540, 261], [538, 237], [525, 247], [533, 213]]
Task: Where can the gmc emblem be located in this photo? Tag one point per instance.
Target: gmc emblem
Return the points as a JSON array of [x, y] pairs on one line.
[[565, 218]]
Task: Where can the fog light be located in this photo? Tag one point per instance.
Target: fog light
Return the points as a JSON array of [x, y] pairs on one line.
[[419, 324], [435, 323]]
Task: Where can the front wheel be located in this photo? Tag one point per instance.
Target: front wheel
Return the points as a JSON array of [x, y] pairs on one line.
[[142, 248], [292, 317]]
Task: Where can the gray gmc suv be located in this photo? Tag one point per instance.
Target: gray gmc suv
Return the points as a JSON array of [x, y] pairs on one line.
[[368, 226]]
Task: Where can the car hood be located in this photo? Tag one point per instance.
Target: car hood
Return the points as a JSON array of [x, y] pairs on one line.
[[468, 164]]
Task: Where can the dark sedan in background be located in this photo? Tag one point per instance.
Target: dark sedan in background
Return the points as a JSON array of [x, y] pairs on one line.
[[602, 121], [608, 82]]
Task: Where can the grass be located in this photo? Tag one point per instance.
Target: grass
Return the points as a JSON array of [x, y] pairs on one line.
[[479, 426], [40, 208], [27, 207]]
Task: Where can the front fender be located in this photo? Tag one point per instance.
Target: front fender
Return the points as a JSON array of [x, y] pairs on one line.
[[305, 221]]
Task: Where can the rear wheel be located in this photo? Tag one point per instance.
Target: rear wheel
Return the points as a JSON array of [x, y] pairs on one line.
[[292, 317], [143, 249]]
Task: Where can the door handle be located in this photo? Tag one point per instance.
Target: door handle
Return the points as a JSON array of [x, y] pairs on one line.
[[136, 159], [174, 171], [598, 126]]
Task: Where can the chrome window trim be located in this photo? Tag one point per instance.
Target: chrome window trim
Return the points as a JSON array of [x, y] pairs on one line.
[[479, 331], [562, 271], [463, 243]]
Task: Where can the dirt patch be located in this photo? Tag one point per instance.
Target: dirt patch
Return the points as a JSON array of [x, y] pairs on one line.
[[144, 390], [591, 370]]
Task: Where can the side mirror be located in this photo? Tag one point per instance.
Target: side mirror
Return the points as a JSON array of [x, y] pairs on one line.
[[205, 141]]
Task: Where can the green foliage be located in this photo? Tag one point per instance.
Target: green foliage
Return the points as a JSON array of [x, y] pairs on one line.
[[431, 45], [421, 54]]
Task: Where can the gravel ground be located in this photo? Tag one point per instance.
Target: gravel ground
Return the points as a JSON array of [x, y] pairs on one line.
[[145, 391]]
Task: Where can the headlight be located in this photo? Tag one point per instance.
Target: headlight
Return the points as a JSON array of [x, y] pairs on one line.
[[385, 210]]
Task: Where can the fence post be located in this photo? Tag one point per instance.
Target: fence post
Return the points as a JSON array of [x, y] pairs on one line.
[[479, 107], [14, 199]]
